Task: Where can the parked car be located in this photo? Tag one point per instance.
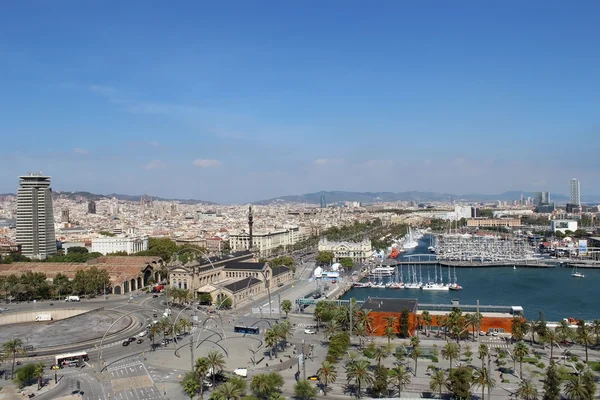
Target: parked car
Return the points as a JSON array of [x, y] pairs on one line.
[[126, 343], [132, 339], [313, 378], [140, 341], [310, 331]]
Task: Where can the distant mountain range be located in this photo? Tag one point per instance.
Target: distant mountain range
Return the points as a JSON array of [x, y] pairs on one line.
[[377, 197], [125, 197]]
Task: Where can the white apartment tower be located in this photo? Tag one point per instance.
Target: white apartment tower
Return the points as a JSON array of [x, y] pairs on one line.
[[35, 218], [574, 194]]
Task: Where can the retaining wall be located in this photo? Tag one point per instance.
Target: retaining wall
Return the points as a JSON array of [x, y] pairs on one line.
[[24, 317]]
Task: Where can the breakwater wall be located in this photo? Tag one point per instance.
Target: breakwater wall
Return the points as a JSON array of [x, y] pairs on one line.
[[25, 317]]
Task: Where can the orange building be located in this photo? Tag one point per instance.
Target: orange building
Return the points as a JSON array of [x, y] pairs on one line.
[[494, 318]]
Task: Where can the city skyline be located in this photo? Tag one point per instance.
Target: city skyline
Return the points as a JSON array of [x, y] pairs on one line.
[[239, 104]]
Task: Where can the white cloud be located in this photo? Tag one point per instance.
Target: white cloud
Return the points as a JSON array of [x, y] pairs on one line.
[[78, 150], [204, 163], [156, 164]]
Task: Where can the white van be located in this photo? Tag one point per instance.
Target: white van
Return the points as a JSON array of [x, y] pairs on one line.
[[142, 334], [73, 298]]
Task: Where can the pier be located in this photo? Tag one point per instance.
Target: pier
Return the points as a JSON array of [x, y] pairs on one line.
[[431, 260]]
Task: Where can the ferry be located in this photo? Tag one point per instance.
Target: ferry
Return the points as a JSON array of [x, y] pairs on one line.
[[382, 271]]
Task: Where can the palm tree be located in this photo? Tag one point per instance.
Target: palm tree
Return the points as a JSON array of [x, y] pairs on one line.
[[352, 356], [39, 373], [526, 390], [216, 362], [474, 321], [426, 318], [271, 340], [327, 375], [564, 331], [13, 347], [415, 354], [400, 377], [380, 353], [390, 321], [361, 332], [183, 324], [438, 381], [483, 352], [201, 368], [389, 333], [450, 352], [285, 331], [286, 307], [551, 337], [359, 373], [364, 317], [332, 328], [575, 388], [596, 328], [230, 391], [153, 331], [483, 380], [584, 336], [521, 351]]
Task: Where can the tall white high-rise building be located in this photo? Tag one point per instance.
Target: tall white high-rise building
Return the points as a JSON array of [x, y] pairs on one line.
[[35, 218], [574, 194]]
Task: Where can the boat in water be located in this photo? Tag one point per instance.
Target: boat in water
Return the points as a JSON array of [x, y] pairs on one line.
[[383, 271], [576, 274], [362, 284], [394, 253], [454, 285], [436, 284]]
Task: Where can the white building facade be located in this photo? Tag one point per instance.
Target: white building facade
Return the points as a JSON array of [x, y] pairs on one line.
[[563, 225], [128, 244], [360, 252], [266, 242], [35, 217]]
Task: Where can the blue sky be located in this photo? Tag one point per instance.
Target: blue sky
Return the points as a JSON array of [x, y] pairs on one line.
[[240, 101]]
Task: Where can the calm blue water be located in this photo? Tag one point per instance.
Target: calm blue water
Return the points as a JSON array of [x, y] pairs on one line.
[[551, 290]]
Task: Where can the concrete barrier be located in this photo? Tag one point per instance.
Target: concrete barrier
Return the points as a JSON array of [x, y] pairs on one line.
[[25, 317]]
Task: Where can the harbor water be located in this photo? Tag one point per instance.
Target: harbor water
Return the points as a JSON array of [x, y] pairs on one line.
[[550, 290]]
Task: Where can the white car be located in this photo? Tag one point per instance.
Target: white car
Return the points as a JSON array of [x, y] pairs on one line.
[[310, 331]]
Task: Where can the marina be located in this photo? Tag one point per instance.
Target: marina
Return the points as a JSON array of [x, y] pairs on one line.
[[550, 290]]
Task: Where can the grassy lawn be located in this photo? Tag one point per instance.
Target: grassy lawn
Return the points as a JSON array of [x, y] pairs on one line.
[[531, 360], [594, 365]]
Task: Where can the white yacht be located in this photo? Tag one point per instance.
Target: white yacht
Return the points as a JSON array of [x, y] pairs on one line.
[[576, 274], [409, 240]]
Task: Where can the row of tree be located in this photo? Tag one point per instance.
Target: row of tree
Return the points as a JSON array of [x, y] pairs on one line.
[[35, 286]]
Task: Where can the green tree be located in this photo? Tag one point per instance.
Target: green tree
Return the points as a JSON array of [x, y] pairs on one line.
[[438, 381], [39, 373], [380, 381], [324, 257], [399, 377], [589, 381], [414, 355], [520, 351], [527, 390], [551, 337], [575, 388], [13, 347], [584, 337], [327, 375], [271, 339], [359, 373], [265, 386], [201, 368], [61, 285], [286, 307], [347, 263], [450, 352], [484, 380], [483, 353], [25, 375], [552, 382], [205, 299], [404, 323], [518, 328], [304, 390], [216, 362], [191, 384], [460, 382]]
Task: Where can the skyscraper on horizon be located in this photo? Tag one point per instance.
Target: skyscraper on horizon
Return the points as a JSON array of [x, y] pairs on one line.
[[91, 207], [35, 217], [323, 201], [574, 192]]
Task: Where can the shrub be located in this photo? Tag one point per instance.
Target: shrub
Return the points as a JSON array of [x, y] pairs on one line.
[[25, 376], [538, 356], [435, 359], [541, 365], [594, 365]]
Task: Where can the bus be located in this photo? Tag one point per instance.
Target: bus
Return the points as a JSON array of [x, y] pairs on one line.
[[253, 330], [71, 359]]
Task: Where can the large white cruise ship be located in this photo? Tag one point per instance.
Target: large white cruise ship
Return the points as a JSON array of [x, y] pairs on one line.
[[383, 271]]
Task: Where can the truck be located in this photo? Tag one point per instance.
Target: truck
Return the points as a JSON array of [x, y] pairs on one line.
[[43, 317], [158, 288], [72, 298]]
